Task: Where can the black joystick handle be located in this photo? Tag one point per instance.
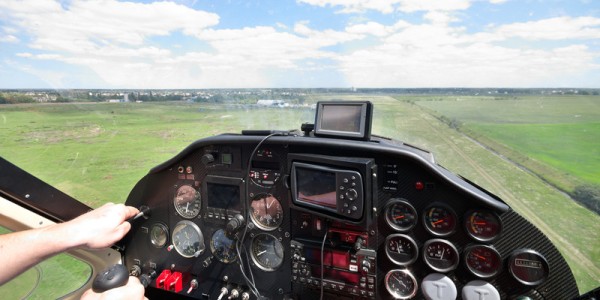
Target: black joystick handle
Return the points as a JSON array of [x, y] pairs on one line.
[[110, 278]]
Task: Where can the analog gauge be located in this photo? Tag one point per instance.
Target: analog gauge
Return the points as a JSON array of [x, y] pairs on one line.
[[439, 220], [483, 226], [266, 212], [187, 201], [188, 239], [159, 235], [401, 249], [222, 247], [264, 177], [401, 284], [267, 252], [400, 215], [528, 267], [483, 261], [440, 255]]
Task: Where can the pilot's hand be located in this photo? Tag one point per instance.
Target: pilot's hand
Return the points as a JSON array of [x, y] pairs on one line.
[[133, 290], [101, 227]]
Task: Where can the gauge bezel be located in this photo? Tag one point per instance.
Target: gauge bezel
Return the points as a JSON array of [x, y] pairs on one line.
[[498, 258], [478, 238], [164, 229], [195, 227], [213, 248], [394, 294], [410, 240], [543, 259], [435, 268], [432, 230], [258, 223], [396, 201], [197, 199], [257, 261]]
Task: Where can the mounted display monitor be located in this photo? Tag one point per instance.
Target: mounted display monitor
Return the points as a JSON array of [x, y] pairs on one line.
[[344, 119]]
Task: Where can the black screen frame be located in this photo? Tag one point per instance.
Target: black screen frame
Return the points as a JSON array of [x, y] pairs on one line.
[[365, 120]]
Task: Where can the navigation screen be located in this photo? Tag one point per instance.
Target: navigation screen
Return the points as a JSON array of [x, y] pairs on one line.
[[341, 118], [223, 196], [316, 187]]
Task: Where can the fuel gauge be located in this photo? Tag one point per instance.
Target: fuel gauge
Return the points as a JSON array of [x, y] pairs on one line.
[[401, 249], [440, 255], [483, 261]]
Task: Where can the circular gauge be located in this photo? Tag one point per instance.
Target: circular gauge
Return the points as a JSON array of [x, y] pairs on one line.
[[483, 261], [483, 226], [266, 212], [528, 267], [439, 220], [222, 247], [187, 201], [401, 249], [440, 255], [267, 252], [264, 177], [159, 235], [188, 239], [400, 215], [401, 284]]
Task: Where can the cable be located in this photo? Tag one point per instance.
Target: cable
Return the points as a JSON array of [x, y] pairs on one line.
[[322, 262], [240, 242]]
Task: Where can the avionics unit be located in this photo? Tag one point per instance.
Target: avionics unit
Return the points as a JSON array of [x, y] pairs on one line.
[[344, 119], [335, 186]]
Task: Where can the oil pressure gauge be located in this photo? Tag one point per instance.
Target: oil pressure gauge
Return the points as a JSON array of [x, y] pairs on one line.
[[401, 284]]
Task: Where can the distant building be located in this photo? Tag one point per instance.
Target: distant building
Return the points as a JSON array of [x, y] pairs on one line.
[[272, 103]]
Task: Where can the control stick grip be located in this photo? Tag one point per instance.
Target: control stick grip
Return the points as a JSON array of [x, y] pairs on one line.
[[110, 278]]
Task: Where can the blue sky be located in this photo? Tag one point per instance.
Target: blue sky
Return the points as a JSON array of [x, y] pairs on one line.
[[302, 43]]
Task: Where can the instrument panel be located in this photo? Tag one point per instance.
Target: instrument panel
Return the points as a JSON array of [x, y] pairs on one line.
[[300, 217]]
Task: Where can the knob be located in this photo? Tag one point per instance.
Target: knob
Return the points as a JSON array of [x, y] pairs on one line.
[[366, 265], [358, 243], [110, 278], [234, 294], [207, 158]]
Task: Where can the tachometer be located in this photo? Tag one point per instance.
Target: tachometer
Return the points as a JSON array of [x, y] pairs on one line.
[[483, 261], [400, 215], [266, 212], [401, 249], [222, 247], [267, 252], [483, 226], [440, 255], [188, 239], [401, 284], [439, 220], [187, 201]]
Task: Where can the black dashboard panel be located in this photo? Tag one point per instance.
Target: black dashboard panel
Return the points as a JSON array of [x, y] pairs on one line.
[[230, 221]]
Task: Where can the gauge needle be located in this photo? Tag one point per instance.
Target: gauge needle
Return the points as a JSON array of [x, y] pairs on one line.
[[261, 253], [479, 223], [187, 207], [481, 257], [269, 204], [443, 252], [399, 217], [438, 222]]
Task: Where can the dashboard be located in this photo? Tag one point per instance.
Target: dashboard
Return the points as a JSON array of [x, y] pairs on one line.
[[281, 215]]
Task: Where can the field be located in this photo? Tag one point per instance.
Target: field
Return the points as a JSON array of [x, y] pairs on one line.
[[97, 152]]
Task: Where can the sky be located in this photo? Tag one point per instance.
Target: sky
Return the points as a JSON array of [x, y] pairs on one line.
[[195, 44]]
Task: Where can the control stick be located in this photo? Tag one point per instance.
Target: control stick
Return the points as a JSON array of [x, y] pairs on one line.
[[110, 278]]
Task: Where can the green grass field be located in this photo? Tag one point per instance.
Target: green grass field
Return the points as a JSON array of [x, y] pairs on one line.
[[97, 152]]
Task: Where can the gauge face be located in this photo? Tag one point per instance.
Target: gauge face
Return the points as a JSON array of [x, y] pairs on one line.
[[440, 255], [187, 201], [264, 177], [266, 212], [222, 247], [439, 220], [159, 235], [401, 249], [188, 239], [483, 226], [400, 215], [483, 261], [267, 252], [401, 284], [528, 267]]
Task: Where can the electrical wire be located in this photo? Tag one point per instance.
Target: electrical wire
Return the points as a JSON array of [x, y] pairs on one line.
[[322, 258]]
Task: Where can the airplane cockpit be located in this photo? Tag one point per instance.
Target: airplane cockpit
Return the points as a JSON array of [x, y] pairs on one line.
[[329, 211]]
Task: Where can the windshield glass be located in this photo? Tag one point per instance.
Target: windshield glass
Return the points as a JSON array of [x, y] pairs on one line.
[[505, 93]]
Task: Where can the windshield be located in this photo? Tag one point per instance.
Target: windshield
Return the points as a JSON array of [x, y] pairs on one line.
[[93, 94]]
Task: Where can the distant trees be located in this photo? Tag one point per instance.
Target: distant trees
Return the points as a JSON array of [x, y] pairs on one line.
[[588, 195], [14, 98]]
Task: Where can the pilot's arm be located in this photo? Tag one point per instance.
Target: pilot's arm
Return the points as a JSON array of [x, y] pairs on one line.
[[98, 228]]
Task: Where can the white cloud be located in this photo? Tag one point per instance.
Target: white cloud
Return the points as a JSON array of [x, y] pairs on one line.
[[9, 38], [389, 6], [498, 1], [560, 28]]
